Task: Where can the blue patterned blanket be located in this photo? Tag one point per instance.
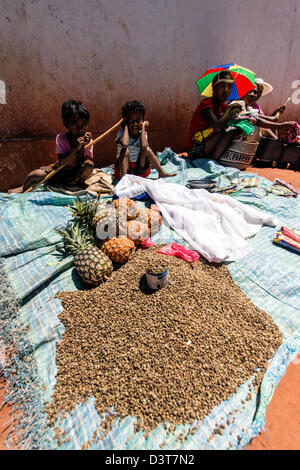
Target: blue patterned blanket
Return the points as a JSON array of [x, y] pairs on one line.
[[32, 271]]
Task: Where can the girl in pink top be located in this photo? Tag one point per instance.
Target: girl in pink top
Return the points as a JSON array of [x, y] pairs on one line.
[[76, 119]]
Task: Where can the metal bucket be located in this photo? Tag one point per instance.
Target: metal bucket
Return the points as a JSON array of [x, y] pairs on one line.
[[156, 281]]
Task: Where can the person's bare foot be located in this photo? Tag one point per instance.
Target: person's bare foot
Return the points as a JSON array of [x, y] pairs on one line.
[[163, 174], [15, 190]]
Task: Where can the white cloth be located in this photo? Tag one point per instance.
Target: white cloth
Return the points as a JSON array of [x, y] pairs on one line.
[[215, 225]]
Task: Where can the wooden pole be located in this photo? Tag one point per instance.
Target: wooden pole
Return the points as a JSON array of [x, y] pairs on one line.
[[287, 101], [71, 156]]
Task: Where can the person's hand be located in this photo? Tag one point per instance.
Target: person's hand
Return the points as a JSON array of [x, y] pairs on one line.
[[80, 142], [87, 137], [274, 118], [285, 126], [280, 110], [144, 124]]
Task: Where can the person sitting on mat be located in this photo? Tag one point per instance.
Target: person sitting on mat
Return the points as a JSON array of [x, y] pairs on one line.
[[75, 117], [262, 121], [263, 88], [134, 154], [207, 136]]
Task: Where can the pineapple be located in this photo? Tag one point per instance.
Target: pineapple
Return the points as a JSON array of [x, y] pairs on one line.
[[84, 211], [137, 231], [92, 265], [150, 218], [125, 204], [101, 211], [109, 222], [119, 250]]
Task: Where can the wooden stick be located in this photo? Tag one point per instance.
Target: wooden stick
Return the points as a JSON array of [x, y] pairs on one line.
[[278, 112], [71, 156]]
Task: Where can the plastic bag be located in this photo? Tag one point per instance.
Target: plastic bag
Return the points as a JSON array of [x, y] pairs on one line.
[[180, 252]]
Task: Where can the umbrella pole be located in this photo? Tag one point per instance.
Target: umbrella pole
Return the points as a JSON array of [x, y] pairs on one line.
[[70, 157]]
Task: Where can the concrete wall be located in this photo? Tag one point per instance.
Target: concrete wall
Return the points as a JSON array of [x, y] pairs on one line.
[[105, 52]]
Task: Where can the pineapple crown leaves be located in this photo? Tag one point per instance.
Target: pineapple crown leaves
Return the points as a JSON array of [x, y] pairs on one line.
[[83, 210], [75, 239]]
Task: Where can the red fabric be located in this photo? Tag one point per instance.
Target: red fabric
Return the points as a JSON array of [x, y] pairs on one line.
[[198, 123], [180, 252], [292, 134], [132, 165], [146, 243]]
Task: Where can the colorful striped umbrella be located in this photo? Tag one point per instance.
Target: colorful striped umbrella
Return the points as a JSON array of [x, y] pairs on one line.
[[243, 80]]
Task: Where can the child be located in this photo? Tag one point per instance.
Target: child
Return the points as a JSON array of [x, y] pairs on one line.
[[133, 152], [76, 119], [207, 137]]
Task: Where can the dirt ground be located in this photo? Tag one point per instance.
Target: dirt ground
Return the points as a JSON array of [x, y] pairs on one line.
[[282, 428]]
